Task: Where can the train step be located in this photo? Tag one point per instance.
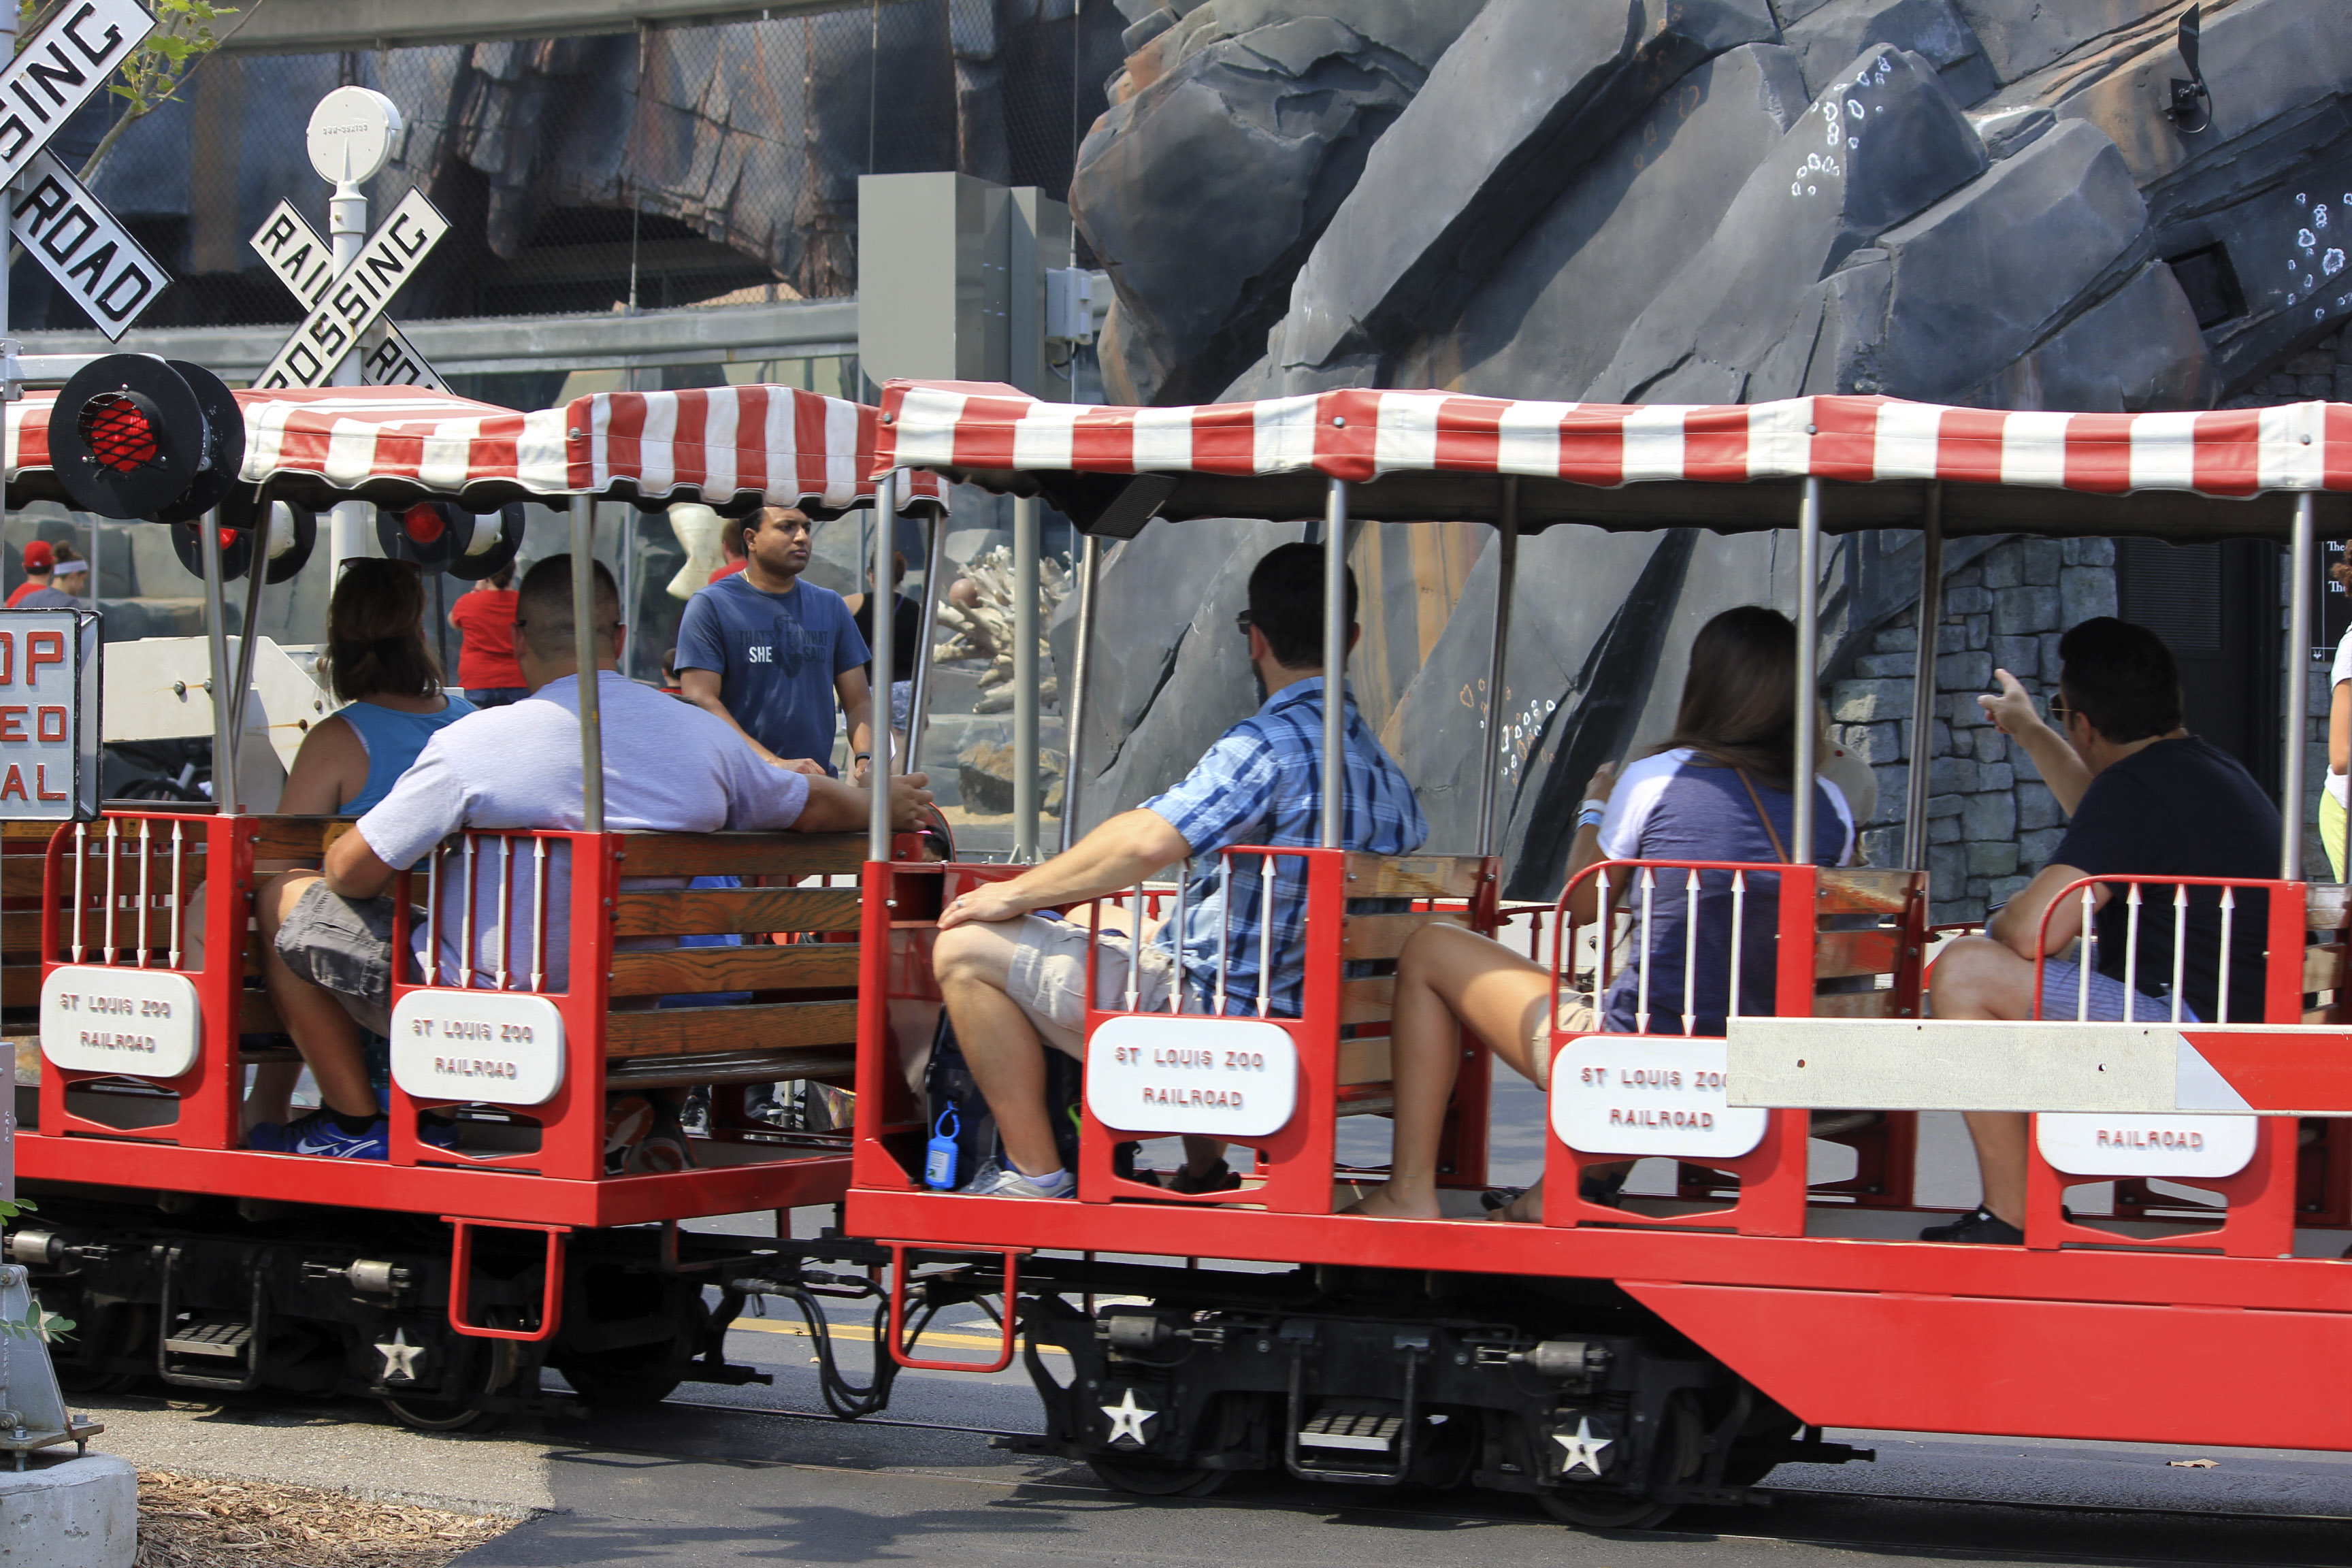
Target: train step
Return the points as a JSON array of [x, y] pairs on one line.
[[1357, 1425], [220, 1337]]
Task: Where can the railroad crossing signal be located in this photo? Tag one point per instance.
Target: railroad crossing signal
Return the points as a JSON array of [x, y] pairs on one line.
[[346, 304], [303, 261], [81, 245]]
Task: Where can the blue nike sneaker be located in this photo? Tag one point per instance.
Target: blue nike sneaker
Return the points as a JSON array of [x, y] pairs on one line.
[[317, 1135]]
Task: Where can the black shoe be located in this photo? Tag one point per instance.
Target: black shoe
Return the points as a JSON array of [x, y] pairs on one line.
[[1982, 1226], [1218, 1178]]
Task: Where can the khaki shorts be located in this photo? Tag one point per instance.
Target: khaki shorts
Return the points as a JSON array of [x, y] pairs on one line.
[[1047, 978], [1573, 1016], [346, 948]]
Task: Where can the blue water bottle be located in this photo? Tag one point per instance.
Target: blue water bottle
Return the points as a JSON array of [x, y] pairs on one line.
[[939, 1160]]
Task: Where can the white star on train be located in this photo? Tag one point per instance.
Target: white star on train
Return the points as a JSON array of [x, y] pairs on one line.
[[399, 1358], [1127, 1419], [1584, 1448]]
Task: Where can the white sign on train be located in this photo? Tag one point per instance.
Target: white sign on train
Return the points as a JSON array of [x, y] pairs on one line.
[[354, 299], [58, 69], [304, 262], [1649, 1094], [501, 1047], [103, 1019], [1224, 1078], [89, 254], [2082, 1143], [48, 715]]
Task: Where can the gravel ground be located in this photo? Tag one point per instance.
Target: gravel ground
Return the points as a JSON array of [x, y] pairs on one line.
[[189, 1522]]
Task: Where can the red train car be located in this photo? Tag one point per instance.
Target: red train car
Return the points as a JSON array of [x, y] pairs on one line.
[[1618, 1362]]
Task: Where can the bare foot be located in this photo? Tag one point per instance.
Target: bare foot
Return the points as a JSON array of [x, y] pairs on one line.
[[1381, 1202], [1524, 1209]]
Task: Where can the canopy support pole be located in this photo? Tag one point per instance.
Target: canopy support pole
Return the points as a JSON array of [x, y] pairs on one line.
[[2298, 691], [583, 637], [1930, 619], [918, 694], [885, 530], [1334, 658], [259, 555], [1809, 644], [1074, 704], [1507, 542], [1025, 679], [217, 645]]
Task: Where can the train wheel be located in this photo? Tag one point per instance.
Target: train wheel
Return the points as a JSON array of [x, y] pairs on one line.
[[1677, 1460], [128, 1329], [502, 1360], [638, 1377], [1147, 1477]]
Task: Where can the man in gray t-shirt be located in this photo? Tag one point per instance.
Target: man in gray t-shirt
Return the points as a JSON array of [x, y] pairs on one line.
[[667, 768]]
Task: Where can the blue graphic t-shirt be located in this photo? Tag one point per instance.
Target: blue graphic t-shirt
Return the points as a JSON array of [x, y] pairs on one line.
[[776, 656]]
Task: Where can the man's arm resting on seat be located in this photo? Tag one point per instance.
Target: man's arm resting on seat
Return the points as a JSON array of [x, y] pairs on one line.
[[2017, 925], [835, 807], [354, 871], [1131, 847]]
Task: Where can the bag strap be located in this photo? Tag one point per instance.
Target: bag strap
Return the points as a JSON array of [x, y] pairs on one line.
[[1779, 853]]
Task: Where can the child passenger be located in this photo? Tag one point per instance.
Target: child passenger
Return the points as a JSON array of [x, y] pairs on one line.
[[1720, 788]]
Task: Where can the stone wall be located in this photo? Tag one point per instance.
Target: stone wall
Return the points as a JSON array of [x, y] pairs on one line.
[[1991, 819]]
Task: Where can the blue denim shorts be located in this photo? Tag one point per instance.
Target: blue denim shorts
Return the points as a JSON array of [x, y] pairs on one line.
[[2062, 998]]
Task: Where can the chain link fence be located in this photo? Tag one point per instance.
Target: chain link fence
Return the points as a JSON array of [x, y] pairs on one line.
[[675, 166]]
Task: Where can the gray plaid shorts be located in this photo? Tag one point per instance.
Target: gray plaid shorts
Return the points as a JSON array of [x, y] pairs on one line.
[[346, 948]]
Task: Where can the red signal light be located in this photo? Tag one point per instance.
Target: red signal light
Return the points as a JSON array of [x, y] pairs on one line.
[[423, 523], [117, 432]]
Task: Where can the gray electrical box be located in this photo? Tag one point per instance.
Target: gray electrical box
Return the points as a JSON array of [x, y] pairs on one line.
[[951, 281]]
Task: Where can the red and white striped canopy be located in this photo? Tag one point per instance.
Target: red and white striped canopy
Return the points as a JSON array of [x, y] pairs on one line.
[[1247, 458], [387, 444], [726, 446]]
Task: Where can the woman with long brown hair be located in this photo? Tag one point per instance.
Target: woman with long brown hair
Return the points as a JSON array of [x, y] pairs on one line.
[[378, 664], [1721, 788]]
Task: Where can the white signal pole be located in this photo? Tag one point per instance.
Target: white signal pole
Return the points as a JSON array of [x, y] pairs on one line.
[[350, 137]]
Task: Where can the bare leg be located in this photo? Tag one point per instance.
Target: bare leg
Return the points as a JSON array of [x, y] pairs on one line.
[[1000, 1047], [324, 1034], [271, 1098], [1448, 979], [1977, 977]]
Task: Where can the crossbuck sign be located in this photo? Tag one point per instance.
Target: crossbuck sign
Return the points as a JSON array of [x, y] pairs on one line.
[[345, 305], [91, 255], [304, 262]]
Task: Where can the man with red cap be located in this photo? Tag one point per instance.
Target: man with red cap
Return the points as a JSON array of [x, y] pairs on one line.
[[40, 561]]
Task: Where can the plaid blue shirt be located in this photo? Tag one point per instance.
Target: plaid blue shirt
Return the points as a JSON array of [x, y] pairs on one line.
[[1261, 783]]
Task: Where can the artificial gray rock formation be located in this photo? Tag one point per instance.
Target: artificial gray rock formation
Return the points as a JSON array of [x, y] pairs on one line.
[[2004, 218]]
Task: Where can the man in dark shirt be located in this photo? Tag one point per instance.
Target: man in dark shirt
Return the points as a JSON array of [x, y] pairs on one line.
[[2143, 798]]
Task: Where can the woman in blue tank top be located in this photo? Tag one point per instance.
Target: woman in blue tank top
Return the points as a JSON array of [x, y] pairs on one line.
[[379, 665]]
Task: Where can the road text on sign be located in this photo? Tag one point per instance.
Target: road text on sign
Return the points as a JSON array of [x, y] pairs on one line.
[[58, 69], [502, 1047], [305, 263], [48, 714], [355, 297], [92, 256], [1649, 1094], [142, 1023], [1230, 1078]]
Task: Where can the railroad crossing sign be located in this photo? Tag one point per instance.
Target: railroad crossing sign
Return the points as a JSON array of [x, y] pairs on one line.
[[343, 306], [92, 256], [303, 262]]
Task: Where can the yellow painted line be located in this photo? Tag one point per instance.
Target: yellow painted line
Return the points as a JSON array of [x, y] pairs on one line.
[[859, 1331]]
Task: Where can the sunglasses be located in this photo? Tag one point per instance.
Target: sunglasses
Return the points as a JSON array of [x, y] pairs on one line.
[[2060, 709], [1242, 623]]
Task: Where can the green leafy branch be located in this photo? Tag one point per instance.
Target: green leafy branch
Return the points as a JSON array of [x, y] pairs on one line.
[[158, 68], [11, 1208]]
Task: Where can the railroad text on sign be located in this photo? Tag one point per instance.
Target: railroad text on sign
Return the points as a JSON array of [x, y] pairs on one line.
[[502, 1047], [142, 1023], [1649, 1094], [89, 254], [1225, 1077], [48, 715], [355, 297], [2085, 1145], [304, 262]]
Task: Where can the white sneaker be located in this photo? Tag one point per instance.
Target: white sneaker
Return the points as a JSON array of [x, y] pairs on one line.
[[995, 1181]]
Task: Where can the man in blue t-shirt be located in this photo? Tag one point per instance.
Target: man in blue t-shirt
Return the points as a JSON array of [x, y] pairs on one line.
[[769, 654], [2143, 798]]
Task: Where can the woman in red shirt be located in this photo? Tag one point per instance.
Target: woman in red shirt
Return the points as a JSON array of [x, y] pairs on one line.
[[485, 618]]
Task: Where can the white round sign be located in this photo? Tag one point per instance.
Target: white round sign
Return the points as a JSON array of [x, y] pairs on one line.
[[351, 134]]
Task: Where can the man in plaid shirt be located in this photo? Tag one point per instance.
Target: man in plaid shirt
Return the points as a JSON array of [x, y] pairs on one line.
[[1013, 978]]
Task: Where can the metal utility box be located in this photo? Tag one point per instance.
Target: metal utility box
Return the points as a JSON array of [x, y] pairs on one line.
[[951, 280]]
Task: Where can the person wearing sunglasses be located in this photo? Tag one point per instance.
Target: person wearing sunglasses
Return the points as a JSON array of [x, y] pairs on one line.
[[2143, 798]]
